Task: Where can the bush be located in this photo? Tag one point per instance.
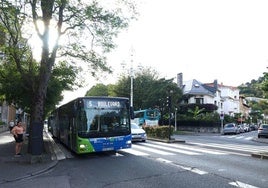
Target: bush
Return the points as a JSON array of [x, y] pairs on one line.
[[161, 132]]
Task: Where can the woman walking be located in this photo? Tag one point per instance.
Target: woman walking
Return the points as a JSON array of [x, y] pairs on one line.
[[18, 131]]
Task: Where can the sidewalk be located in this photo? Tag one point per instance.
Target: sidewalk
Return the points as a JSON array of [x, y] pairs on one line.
[[15, 168]]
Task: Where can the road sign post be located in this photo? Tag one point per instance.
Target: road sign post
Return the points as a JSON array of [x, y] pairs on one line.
[[222, 118]]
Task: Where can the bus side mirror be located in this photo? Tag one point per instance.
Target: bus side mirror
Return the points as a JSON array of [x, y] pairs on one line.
[[131, 113]]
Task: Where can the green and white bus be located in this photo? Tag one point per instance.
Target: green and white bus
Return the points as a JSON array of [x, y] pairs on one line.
[[92, 124], [147, 117]]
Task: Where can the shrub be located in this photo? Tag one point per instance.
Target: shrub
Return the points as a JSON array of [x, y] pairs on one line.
[[161, 132]]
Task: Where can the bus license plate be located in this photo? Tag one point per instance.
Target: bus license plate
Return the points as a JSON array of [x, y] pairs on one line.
[[108, 149]]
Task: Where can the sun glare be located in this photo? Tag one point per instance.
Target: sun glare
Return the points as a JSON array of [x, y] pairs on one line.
[[36, 43]]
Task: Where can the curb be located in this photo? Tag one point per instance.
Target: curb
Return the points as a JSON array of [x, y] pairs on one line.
[[260, 155], [53, 148]]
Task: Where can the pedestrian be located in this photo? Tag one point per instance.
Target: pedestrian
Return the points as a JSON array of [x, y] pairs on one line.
[[18, 131]]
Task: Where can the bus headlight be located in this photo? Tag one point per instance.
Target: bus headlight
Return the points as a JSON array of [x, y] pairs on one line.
[[129, 142], [82, 146]]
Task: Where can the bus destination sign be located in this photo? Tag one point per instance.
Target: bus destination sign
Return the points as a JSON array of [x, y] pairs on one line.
[[103, 104]]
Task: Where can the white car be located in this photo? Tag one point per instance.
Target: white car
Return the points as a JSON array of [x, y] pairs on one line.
[[231, 128], [138, 134]]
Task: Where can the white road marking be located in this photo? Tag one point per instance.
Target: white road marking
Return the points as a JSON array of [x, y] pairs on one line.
[[194, 170], [171, 149], [246, 148], [152, 150], [241, 185], [202, 150], [135, 152]]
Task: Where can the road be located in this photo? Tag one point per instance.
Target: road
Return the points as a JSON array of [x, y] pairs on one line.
[[203, 161]]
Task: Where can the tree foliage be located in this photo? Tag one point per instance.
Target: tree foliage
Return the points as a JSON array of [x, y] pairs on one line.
[[253, 88], [98, 90], [149, 91], [83, 33], [264, 84]]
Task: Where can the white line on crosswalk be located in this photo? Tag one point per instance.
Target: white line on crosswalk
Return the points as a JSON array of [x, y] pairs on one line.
[[246, 148], [135, 152], [249, 138], [239, 137], [202, 150], [152, 150], [240, 184], [171, 149]]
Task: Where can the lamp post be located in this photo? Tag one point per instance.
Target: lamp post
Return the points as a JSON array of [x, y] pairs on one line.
[[130, 72], [131, 85], [222, 118], [169, 111], [176, 119]]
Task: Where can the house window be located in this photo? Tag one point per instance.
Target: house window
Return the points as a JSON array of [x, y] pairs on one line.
[[199, 100], [185, 101]]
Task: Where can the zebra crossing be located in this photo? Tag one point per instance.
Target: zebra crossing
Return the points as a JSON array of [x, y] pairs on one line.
[[238, 137], [192, 149], [234, 147]]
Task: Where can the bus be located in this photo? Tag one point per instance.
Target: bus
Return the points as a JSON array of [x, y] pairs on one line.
[[92, 124], [147, 117]]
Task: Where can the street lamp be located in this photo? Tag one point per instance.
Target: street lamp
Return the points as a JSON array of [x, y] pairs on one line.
[[131, 85], [176, 119], [169, 111]]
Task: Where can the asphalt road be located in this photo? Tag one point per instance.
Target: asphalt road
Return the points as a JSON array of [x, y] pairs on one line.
[[203, 161]]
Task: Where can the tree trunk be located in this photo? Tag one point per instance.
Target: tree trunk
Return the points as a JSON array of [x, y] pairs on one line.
[[36, 122], [36, 143]]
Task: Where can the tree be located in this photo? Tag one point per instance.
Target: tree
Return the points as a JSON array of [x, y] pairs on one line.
[[253, 88], [196, 113], [89, 29], [148, 89], [264, 85], [98, 90], [19, 91]]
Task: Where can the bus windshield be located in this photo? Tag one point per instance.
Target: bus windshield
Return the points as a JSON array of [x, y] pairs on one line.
[[152, 114], [147, 117], [103, 121]]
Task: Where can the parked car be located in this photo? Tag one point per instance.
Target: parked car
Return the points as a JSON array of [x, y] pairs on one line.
[[230, 128], [253, 127], [263, 130], [138, 134]]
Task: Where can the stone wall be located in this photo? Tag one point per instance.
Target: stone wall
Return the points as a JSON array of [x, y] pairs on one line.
[[200, 129]]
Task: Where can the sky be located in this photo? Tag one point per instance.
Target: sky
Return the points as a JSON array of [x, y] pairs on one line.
[[205, 40]]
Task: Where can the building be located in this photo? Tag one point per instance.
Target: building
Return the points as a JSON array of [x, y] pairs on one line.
[[226, 98], [7, 113]]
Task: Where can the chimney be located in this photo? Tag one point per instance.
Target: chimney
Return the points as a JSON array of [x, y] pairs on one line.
[[215, 83], [179, 80]]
